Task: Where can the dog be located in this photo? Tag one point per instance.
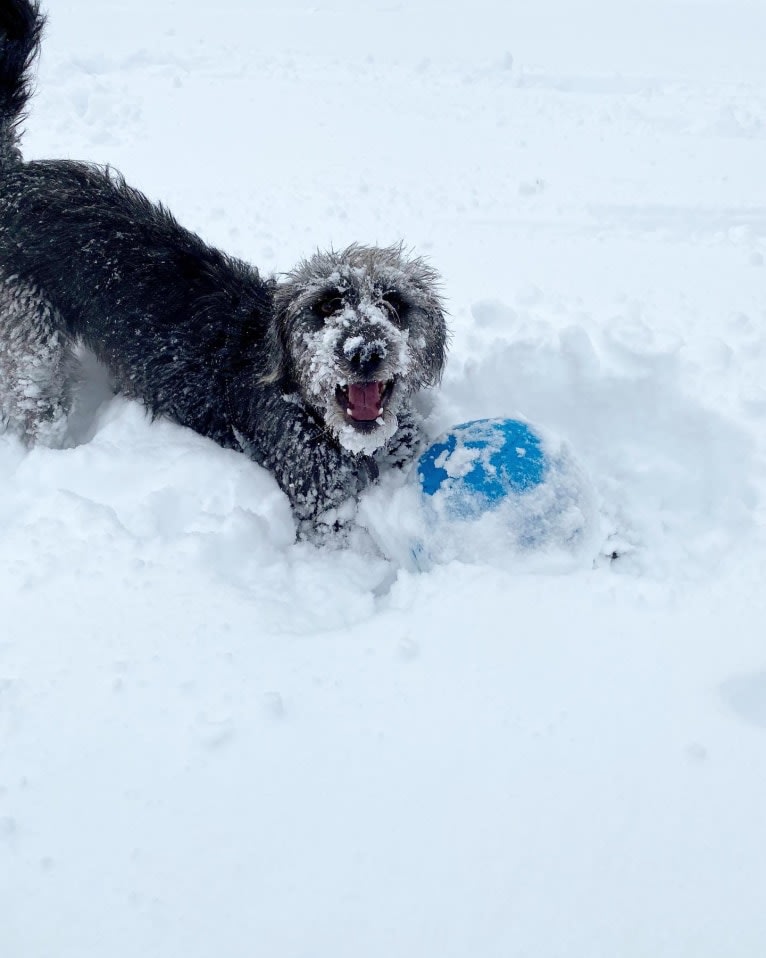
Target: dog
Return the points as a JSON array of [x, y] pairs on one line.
[[312, 376]]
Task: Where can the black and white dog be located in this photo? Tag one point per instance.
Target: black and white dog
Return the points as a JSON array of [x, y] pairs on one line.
[[311, 376]]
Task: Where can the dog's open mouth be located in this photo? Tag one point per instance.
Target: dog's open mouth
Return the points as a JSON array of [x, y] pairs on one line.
[[364, 403]]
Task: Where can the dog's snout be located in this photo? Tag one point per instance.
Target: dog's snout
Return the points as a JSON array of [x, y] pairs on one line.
[[365, 357]]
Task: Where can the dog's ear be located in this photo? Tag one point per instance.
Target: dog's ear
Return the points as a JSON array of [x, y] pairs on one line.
[[425, 283], [439, 343], [277, 366], [432, 309]]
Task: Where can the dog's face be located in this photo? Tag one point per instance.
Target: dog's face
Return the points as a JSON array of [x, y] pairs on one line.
[[359, 331]]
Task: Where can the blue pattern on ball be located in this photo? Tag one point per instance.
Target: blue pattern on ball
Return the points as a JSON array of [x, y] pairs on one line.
[[477, 464]]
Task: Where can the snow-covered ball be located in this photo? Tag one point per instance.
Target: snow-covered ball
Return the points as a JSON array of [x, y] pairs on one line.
[[474, 467], [492, 490]]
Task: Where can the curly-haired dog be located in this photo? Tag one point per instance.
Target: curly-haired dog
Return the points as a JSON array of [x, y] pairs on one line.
[[312, 376]]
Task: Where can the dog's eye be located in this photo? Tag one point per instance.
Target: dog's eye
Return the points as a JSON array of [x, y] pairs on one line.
[[395, 306], [326, 307]]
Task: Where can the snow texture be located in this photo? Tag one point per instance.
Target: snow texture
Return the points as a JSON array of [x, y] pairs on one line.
[[216, 741]]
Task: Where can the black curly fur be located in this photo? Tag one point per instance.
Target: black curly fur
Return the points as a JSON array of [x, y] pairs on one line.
[[21, 26], [165, 312], [194, 334]]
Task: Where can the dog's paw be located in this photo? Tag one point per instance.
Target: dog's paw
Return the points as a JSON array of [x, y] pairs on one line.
[[330, 528]]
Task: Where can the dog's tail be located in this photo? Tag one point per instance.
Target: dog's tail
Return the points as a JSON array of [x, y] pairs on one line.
[[21, 25]]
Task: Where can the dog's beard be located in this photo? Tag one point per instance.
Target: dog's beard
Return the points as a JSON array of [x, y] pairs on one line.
[[358, 439]]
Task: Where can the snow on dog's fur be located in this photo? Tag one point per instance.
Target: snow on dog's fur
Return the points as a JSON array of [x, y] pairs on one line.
[[312, 376]]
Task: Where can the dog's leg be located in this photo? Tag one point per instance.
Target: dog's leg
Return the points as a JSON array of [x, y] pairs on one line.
[[321, 479], [407, 442], [37, 365]]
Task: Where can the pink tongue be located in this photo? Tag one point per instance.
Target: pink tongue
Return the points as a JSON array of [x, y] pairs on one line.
[[364, 401]]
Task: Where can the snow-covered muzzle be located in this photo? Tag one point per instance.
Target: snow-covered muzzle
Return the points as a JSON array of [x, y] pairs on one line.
[[352, 370], [362, 330]]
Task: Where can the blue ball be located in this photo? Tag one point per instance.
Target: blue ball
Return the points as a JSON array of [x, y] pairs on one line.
[[475, 466], [492, 491]]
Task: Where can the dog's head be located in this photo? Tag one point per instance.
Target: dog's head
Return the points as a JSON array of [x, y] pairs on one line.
[[360, 330]]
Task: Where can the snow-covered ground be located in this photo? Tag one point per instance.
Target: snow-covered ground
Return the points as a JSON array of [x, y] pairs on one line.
[[215, 742]]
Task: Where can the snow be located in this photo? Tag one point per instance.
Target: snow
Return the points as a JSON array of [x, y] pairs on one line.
[[215, 741]]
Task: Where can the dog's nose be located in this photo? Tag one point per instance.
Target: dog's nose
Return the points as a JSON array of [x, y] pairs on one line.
[[365, 357]]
